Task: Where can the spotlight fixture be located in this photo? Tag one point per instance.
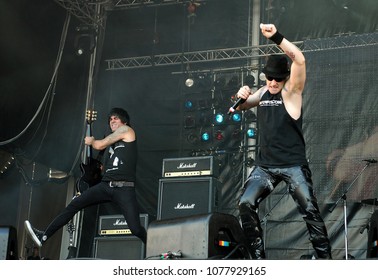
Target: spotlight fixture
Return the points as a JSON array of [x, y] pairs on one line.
[[205, 118], [249, 162], [249, 80], [219, 135], [251, 133], [236, 117], [85, 41], [188, 105], [262, 77], [189, 122], [249, 116], [220, 83], [205, 136], [233, 82], [189, 82], [7, 161], [219, 118], [192, 138], [236, 134]]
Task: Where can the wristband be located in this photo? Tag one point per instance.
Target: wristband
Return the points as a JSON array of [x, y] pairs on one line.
[[277, 38]]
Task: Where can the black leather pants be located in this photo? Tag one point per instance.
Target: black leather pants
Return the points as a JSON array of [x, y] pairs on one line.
[[260, 183]]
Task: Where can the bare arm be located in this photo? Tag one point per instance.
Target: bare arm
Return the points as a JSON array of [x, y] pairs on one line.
[[293, 88], [124, 133], [252, 99], [296, 83]]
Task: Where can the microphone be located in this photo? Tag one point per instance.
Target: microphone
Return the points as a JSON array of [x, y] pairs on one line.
[[236, 104], [371, 160]]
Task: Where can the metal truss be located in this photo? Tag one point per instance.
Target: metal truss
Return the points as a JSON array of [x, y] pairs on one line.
[[87, 10], [129, 4], [191, 57], [341, 42], [90, 12], [239, 53], [93, 12]]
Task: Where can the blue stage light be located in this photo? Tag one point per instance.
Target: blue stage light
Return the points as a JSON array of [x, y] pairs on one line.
[[219, 118], [188, 105], [251, 133], [205, 136], [236, 117]]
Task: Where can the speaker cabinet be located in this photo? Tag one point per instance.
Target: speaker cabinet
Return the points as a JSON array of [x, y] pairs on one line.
[[372, 245], [182, 197], [119, 248], [205, 236], [8, 243]]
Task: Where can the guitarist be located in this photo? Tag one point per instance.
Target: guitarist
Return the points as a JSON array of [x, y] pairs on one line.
[[117, 184]]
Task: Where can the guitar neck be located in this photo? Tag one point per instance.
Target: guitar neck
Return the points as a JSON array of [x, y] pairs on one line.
[[87, 152]]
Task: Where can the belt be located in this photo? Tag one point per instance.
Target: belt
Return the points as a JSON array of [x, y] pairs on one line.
[[119, 184]]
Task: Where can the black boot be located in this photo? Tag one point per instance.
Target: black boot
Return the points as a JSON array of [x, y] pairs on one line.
[[322, 247], [252, 230]]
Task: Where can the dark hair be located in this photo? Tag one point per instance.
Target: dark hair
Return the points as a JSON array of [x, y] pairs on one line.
[[121, 114]]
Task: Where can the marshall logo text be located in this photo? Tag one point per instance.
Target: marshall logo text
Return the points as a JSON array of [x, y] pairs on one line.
[[183, 165], [120, 222], [181, 206]]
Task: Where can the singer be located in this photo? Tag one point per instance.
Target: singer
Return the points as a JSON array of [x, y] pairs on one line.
[[282, 154]]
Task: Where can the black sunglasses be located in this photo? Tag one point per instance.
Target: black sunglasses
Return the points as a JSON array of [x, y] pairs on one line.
[[269, 78]]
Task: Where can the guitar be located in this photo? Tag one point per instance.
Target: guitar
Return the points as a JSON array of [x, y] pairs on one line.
[[90, 167]]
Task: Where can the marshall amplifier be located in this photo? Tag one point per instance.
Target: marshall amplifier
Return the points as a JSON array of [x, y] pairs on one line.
[[190, 166], [117, 225], [8, 243], [180, 197]]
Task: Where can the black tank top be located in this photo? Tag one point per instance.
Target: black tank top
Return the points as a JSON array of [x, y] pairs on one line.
[[281, 141], [121, 164]]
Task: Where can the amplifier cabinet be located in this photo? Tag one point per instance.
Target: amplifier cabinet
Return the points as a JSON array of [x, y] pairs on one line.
[[182, 197], [119, 248], [117, 225], [8, 243]]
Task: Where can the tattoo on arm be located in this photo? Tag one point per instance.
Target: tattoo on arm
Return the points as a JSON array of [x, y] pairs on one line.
[[291, 55], [114, 137]]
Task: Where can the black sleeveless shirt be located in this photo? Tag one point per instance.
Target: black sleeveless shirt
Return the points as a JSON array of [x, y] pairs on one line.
[[121, 164], [281, 141]]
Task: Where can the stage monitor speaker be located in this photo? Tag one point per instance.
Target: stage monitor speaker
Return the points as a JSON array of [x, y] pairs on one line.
[[119, 248], [205, 236], [8, 243], [182, 197], [372, 245]]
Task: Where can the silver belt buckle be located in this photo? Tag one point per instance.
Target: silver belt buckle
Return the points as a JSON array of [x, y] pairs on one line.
[[111, 184], [121, 184]]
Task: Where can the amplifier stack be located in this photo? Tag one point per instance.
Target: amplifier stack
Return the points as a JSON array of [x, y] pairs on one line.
[[114, 235], [188, 219], [189, 187]]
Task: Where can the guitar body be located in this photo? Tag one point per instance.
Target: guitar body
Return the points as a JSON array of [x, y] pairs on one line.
[[91, 175], [91, 169]]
